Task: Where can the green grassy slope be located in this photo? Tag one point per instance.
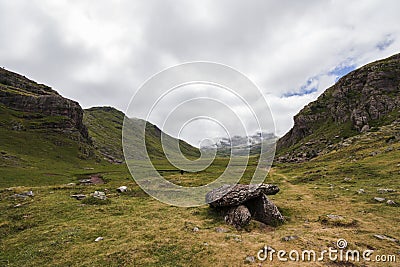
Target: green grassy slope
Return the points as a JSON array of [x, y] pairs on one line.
[[35, 151], [105, 127], [54, 229]]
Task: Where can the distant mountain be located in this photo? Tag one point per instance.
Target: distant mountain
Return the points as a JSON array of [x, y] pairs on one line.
[[361, 101], [239, 145], [39, 124]]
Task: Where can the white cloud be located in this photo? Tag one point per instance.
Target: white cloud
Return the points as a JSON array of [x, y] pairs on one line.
[[99, 54]]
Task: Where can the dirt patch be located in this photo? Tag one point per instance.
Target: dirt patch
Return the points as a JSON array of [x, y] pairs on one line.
[[96, 179], [92, 179]]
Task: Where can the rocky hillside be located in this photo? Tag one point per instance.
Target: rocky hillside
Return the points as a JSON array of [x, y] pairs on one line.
[[19, 93], [32, 111], [361, 101]]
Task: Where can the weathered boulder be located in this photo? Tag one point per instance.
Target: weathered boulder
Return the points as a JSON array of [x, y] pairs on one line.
[[238, 216], [263, 210], [241, 203], [234, 195]]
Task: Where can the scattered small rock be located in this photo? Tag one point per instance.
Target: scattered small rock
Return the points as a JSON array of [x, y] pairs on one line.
[[334, 217], [389, 149], [385, 190], [29, 193], [100, 195], [347, 179], [98, 239], [78, 196], [391, 202], [361, 191], [249, 259], [384, 237], [337, 220], [25, 194], [221, 230], [365, 128], [289, 238], [195, 229], [379, 199], [71, 184], [122, 189], [237, 238], [85, 181]]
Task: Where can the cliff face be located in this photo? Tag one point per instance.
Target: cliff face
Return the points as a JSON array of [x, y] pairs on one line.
[[19, 93], [365, 98]]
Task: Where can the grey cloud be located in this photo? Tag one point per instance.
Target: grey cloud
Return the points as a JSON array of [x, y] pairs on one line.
[[100, 54]]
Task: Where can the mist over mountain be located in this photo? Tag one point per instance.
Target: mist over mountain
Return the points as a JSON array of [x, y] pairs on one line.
[[239, 145]]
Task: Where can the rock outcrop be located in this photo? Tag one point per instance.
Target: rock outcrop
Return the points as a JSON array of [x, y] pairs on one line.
[[363, 99], [19, 93], [263, 210], [239, 216], [233, 195], [32, 107], [241, 203]]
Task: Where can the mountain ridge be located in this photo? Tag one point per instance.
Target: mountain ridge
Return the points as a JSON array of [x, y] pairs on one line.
[[20, 93], [36, 110], [105, 128], [365, 98]]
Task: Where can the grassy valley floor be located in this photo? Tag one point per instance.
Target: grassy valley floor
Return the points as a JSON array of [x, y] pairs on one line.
[[321, 199]]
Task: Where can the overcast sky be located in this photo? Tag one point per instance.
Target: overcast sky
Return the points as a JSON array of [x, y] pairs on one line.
[[100, 52]]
